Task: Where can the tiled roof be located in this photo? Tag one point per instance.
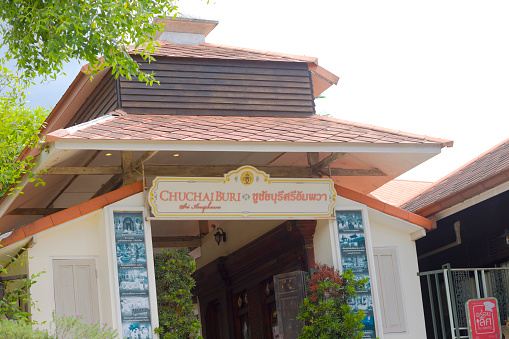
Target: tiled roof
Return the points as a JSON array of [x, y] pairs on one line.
[[482, 173], [71, 213], [214, 51], [396, 192], [236, 128]]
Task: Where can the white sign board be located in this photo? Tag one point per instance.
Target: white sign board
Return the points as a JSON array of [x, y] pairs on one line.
[[243, 193]]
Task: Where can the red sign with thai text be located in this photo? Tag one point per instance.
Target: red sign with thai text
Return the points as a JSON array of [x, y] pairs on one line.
[[483, 319]]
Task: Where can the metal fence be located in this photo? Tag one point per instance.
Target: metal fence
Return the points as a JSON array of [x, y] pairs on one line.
[[446, 292]]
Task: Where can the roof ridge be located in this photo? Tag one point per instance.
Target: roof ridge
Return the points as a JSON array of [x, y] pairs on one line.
[[303, 58], [71, 213], [409, 180], [459, 169]]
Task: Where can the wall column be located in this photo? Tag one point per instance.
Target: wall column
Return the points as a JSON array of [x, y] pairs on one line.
[[307, 230]]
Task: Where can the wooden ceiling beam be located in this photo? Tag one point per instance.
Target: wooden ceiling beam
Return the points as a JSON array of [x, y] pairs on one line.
[[313, 158], [116, 180], [204, 226], [35, 211], [128, 175], [50, 204], [145, 157], [100, 170], [113, 183], [326, 162], [218, 171], [162, 242], [347, 172]]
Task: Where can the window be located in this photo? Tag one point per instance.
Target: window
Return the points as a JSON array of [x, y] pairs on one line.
[[390, 294], [75, 283]]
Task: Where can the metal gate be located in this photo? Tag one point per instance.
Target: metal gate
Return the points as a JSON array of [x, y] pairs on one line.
[[446, 291]]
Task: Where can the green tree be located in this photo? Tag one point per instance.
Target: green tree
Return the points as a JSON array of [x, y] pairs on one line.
[[173, 270], [19, 128], [325, 311], [43, 35]]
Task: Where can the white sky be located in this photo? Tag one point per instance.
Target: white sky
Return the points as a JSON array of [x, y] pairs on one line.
[[434, 67]]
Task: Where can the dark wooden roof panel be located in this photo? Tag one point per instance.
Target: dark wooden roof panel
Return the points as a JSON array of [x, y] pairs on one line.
[[221, 87]]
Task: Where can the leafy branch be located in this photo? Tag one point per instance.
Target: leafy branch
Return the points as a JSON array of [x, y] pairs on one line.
[[41, 36]]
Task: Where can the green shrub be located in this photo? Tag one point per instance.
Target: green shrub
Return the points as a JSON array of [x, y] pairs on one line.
[[63, 327], [74, 327], [173, 270], [325, 311], [10, 329]]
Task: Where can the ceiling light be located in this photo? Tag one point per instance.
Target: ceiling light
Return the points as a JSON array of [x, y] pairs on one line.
[[108, 154], [176, 155]]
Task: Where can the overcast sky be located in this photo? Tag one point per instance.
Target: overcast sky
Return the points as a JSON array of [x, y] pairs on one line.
[[438, 68]]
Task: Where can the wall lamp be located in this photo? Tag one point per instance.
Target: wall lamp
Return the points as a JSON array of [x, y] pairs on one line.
[[220, 236]]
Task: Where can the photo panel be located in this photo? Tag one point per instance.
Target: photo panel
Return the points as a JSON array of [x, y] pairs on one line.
[[132, 273], [353, 253], [128, 225], [132, 307], [136, 330], [131, 253], [132, 281]]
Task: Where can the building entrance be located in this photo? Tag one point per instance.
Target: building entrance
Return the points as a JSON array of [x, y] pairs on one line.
[[237, 293]]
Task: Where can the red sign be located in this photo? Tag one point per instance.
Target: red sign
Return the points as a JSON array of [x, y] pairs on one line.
[[483, 319]]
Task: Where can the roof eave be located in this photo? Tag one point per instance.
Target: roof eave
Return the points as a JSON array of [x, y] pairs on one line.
[[383, 207], [71, 213], [243, 146]]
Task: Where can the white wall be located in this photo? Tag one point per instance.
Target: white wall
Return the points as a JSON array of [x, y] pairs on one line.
[[386, 231], [322, 243], [84, 237], [385, 235]]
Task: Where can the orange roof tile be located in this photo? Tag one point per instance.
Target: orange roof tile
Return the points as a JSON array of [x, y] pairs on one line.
[[71, 213], [383, 207], [396, 192], [480, 174], [238, 128], [214, 51]]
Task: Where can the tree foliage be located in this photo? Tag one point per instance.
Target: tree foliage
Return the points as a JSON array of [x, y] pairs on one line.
[[19, 128], [17, 302], [42, 35], [325, 311], [173, 270]]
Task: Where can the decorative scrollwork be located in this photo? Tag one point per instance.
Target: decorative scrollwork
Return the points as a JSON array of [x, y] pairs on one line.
[[464, 286]]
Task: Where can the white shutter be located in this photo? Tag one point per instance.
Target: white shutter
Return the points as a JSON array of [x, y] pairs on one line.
[[75, 283], [390, 294]]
